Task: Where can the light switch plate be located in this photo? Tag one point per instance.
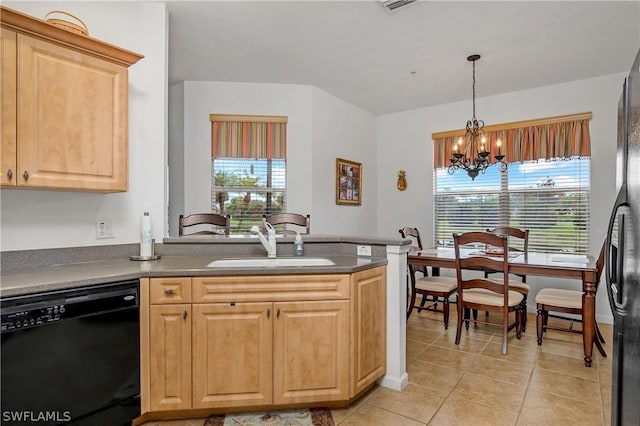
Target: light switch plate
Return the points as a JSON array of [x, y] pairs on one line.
[[364, 250]]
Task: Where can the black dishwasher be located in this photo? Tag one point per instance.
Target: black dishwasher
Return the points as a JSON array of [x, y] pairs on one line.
[[71, 356]]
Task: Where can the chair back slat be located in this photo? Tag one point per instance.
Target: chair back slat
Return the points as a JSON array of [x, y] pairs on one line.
[[213, 219], [280, 221]]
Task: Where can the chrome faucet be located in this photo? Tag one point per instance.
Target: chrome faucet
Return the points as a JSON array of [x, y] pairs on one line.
[[270, 244]]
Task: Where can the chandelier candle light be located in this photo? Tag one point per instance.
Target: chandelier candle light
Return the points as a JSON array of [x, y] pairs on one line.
[[471, 154]]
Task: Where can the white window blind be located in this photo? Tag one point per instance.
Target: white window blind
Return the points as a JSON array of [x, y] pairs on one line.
[[247, 188], [551, 198]]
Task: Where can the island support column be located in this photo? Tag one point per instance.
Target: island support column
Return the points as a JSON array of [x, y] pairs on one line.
[[396, 377]]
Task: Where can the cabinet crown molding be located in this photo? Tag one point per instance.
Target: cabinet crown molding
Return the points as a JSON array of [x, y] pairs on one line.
[[25, 24]]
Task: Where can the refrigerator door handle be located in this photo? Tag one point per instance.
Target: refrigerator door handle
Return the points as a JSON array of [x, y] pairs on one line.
[[614, 257]]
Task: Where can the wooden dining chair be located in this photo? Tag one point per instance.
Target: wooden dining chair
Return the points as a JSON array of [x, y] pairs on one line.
[[439, 289], [568, 302], [413, 234], [282, 221], [215, 224], [477, 292], [518, 240]]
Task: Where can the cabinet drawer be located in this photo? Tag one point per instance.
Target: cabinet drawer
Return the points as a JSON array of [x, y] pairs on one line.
[[270, 288], [170, 290]]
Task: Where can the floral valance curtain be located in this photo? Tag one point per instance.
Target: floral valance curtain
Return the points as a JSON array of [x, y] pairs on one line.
[[555, 137], [248, 136]]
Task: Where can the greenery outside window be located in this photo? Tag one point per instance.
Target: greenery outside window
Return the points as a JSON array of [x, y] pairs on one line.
[[246, 189]]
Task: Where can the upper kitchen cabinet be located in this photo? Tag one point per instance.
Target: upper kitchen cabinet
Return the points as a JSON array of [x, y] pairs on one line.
[[64, 108]]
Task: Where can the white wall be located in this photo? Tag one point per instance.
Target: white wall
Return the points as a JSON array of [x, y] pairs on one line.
[[320, 128], [176, 164], [404, 142], [48, 219], [341, 130]]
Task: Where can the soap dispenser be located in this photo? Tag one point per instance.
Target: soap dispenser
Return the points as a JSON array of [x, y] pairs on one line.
[[298, 247]]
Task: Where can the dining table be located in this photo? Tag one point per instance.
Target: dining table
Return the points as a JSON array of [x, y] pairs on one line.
[[558, 265]]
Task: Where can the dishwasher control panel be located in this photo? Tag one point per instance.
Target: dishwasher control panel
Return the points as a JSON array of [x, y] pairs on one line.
[[31, 318], [24, 312]]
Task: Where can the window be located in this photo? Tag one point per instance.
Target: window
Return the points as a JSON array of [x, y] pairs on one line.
[[246, 189], [545, 189], [248, 168], [550, 198]]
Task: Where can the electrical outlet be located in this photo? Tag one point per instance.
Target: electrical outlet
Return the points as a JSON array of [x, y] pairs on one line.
[[364, 251], [104, 229]]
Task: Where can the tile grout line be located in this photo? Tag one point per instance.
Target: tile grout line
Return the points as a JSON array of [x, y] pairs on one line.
[[524, 397], [601, 396]]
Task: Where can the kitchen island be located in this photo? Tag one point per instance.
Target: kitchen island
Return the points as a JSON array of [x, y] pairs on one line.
[[187, 259]]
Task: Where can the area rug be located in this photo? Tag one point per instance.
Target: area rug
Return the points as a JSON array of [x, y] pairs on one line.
[[305, 417]]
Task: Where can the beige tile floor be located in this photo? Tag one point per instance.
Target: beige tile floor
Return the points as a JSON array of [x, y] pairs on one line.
[[474, 384]]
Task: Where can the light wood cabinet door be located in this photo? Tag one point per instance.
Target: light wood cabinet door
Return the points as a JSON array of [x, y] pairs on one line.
[[232, 354], [8, 107], [170, 357], [72, 119], [311, 351], [368, 328]]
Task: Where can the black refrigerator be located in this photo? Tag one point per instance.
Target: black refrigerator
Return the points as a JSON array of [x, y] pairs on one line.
[[622, 260]]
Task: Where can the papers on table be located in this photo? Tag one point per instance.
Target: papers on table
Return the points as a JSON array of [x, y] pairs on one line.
[[429, 251], [569, 258], [490, 253]]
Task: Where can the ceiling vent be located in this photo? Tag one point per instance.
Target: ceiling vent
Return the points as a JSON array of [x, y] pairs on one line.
[[393, 5]]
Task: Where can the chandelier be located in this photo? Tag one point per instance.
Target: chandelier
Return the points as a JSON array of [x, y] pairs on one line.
[[470, 154]]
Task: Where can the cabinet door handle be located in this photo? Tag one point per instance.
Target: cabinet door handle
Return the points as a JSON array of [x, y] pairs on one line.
[[278, 313], [268, 312], [25, 175], [10, 174], [184, 315], [169, 291]]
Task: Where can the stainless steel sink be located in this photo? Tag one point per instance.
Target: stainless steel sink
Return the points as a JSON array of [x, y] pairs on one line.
[[258, 262]]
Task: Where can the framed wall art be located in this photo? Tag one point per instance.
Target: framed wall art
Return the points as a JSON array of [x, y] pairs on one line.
[[348, 182]]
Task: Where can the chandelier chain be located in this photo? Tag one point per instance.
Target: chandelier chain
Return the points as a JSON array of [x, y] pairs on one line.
[[475, 157], [474, 90]]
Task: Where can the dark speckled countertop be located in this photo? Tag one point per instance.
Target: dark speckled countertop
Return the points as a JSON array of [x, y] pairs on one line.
[[178, 260]]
